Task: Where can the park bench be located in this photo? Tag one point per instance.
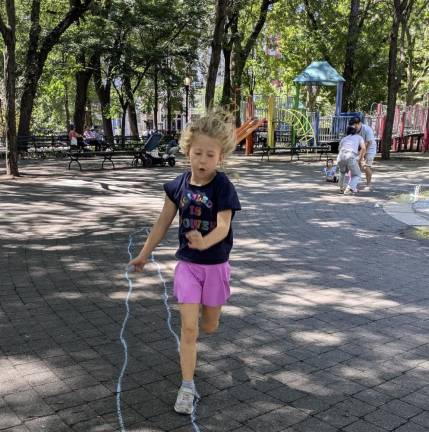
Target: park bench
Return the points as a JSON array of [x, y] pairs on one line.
[[135, 153], [407, 140], [107, 155], [121, 148], [44, 146], [321, 149]]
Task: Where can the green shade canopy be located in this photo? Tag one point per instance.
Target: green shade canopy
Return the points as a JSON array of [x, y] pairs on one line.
[[319, 73]]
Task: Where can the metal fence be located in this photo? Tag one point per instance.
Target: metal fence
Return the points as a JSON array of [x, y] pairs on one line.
[[408, 121]]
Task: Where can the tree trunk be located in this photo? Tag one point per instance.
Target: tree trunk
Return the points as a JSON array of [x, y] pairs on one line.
[[88, 114], [402, 10], [103, 93], [123, 122], [411, 87], [169, 113], [226, 91], [155, 99], [237, 67], [27, 103], [131, 108], [82, 78], [66, 105], [132, 119], [216, 48], [37, 54], [351, 44], [240, 54], [230, 36], [8, 34], [312, 93], [392, 88]]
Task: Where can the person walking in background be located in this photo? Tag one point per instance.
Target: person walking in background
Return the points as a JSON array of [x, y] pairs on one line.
[[351, 151], [367, 134]]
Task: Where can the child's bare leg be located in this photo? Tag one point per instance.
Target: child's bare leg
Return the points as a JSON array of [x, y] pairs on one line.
[[189, 314], [211, 316], [368, 175]]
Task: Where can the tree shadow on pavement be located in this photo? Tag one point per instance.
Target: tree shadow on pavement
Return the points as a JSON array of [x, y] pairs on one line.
[[327, 326]]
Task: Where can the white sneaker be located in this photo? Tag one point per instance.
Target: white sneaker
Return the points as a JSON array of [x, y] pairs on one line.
[[349, 191], [185, 401]]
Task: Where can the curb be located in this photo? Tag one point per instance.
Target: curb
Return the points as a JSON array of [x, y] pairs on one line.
[[406, 213]]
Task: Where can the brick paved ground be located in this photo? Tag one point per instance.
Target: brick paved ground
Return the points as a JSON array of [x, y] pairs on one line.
[[328, 328]]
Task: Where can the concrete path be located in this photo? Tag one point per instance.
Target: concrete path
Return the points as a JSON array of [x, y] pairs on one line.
[[327, 329]]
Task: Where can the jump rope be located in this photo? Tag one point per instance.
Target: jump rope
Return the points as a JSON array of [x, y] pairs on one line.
[[124, 325]]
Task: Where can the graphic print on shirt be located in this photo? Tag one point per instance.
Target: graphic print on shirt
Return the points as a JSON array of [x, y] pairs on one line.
[[195, 212]]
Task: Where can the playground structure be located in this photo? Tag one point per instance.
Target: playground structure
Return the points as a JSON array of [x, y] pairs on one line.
[[281, 122], [410, 126], [272, 122]]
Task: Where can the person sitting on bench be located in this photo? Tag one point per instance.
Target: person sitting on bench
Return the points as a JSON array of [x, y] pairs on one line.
[[76, 139]]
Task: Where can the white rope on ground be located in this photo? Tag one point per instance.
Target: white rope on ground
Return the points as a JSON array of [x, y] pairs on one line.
[[124, 342], [167, 307]]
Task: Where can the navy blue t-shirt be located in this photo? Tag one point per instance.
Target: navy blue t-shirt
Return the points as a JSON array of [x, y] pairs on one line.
[[198, 208]]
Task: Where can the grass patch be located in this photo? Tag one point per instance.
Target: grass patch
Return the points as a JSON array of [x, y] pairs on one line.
[[407, 198], [418, 233]]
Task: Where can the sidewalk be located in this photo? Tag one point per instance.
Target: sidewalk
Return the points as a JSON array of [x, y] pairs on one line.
[[327, 329]]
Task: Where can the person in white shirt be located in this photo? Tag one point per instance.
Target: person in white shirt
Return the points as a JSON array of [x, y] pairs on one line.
[[367, 134], [351, 151]]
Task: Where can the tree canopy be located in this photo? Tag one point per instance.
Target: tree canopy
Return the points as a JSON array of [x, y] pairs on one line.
[[112, 56]]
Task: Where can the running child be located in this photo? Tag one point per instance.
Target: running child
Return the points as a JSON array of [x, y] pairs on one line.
[[207, 201]]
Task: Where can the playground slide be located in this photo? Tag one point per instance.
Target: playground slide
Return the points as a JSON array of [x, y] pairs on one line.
[[247, 128], [243, 126]]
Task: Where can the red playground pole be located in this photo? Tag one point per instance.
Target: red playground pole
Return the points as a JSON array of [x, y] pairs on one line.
[[382, 124], [399, 141], [250, 113], [426, 133]]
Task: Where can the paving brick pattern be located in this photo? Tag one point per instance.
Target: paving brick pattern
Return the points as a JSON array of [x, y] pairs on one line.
[[327, 330]]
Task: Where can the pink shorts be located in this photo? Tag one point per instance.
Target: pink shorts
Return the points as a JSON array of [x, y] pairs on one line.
[[206, 284]]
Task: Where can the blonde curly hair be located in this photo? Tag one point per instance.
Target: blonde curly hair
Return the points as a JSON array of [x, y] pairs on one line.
[[216, 123]]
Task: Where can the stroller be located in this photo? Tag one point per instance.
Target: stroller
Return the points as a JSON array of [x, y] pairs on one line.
[[330, 171], [153, 155]]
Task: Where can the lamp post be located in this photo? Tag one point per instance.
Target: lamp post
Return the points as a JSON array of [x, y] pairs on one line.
[[187, 83]]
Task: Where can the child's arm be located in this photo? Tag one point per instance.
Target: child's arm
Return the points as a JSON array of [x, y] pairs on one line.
[[156, 234], [223, 223], [362, 151]]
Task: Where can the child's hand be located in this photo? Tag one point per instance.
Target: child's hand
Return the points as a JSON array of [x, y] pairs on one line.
[[195, 240], [137, 264]]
